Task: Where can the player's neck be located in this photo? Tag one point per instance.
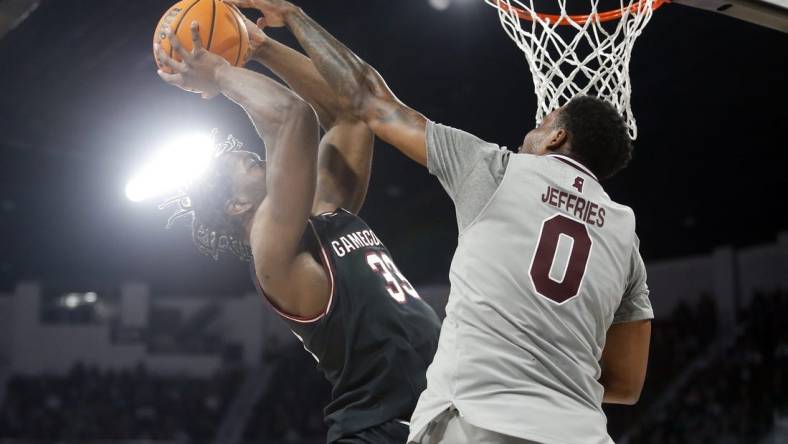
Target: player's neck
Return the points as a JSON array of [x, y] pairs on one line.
[[573, 159], [564, 150]]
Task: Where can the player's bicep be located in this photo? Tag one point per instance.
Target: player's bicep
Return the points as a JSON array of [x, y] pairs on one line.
[[624, 361], [344, 166], [398, 125], [291, 174], [291, 177], [288, 275], [302, 289]]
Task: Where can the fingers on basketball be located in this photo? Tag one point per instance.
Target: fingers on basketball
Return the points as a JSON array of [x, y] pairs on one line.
[[196, 42], [176, 45], [167, 61], [221, 30]]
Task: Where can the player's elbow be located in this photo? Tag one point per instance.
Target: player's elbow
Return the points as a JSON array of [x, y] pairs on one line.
[[301, 109], [622, 385], [364, 102], [630, 397], [622, 392], [298, 112], [285, 111]]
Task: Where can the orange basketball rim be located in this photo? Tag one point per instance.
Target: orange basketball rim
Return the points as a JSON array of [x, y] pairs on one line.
[[613, 14]]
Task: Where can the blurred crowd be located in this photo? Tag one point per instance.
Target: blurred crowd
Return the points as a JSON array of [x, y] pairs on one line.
[[291, 410], [736, 397], [676, 341], [733, 398], [130, 404]]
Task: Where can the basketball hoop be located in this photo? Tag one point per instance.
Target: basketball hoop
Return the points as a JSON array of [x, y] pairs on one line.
[[593, 60]]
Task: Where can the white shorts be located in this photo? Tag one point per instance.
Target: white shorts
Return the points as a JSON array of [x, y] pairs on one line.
[[450, 428]]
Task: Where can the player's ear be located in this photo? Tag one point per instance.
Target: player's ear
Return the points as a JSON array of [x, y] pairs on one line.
[[235, 207], [556, 139]]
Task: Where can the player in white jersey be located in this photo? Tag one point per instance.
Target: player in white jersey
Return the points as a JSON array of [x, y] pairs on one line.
[[549, 312], [548, 315]]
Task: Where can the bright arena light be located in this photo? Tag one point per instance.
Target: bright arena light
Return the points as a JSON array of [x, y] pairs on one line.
[[174, 166], [71, 300], [440, 5]]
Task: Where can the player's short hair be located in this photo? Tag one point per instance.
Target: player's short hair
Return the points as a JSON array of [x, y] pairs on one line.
[[598, 135], [205, 201]]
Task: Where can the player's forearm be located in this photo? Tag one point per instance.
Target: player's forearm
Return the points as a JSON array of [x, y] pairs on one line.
[[360, 89], [268, 104], [301, 75], [345, 72]]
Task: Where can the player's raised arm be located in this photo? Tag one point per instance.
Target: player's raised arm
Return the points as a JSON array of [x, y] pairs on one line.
[[360, 88], [345, 155], [288, 126], [297, 71]]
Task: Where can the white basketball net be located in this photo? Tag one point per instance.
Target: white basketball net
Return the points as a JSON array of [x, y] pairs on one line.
[[593, 60]]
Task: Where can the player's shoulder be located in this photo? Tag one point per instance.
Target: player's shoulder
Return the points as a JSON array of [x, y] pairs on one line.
[[336, 220], [619, 206], [530, 162]]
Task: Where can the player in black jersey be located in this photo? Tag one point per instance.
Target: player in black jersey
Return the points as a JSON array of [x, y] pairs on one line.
[[318, 264]]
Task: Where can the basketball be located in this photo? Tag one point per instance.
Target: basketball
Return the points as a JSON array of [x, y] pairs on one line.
[[222, 30]]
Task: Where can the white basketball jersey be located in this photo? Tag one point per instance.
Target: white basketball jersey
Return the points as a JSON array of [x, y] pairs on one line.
[[536, 281]]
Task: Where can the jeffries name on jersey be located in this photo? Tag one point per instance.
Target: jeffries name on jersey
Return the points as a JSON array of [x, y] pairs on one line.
[[582, 209]]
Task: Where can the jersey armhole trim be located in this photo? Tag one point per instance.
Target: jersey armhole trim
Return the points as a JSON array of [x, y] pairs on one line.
[[634, 316], [329, 271], [326, 213]]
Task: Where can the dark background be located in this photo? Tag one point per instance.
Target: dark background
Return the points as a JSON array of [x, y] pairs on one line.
[[82, 107]]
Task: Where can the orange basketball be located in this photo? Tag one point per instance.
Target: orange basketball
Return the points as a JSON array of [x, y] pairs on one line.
[[222, 30]]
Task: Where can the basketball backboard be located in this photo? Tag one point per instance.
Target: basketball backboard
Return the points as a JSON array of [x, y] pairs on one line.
[[768, 13]]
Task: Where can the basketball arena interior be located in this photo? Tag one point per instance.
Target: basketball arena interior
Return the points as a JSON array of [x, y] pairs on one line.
[[117, 330]]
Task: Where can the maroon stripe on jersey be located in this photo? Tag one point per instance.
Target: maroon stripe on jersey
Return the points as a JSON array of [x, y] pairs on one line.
[[574, 164]]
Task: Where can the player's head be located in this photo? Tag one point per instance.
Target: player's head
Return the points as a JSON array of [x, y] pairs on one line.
[[223, 201], [587, 129]]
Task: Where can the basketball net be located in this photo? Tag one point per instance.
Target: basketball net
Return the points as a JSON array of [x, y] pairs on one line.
[[591, 57]]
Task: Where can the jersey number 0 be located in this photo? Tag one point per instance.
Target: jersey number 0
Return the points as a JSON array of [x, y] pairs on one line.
[[546, 268]]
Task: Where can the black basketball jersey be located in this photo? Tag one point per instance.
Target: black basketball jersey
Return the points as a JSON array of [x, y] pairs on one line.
[[376, 338]]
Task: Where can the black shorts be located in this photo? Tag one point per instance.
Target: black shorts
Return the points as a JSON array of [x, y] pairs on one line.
[[392, 432]]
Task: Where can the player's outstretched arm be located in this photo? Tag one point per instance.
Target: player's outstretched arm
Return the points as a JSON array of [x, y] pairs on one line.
[[345, 155], [624, 361], [288, 126], [360, 88], [297, 71]]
